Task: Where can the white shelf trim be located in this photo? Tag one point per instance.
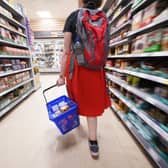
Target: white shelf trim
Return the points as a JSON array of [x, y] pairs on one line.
[[141, 75], [14, 72], [121, 27], [14, 56], [141, 55], [148, 27], [15, 87], [13, 104], [141, 114], [146, 145], [119, 43], [143, 4], [145, 96], [13, 44], [13, 21]]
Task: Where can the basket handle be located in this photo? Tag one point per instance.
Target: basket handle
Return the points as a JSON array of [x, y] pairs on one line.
[[45, 90]]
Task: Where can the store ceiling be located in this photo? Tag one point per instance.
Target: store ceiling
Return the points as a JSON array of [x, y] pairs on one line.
[[58, 8]]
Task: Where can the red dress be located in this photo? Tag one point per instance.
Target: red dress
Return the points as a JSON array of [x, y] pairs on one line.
[[88, 88]]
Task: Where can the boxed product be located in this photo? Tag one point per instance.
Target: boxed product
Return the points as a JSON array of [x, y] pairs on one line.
[[139, 44], [164, 41], [137, 20], [149, 13], [153, 41]]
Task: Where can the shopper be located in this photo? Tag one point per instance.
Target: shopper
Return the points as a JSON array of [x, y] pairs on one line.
[[87, 87]]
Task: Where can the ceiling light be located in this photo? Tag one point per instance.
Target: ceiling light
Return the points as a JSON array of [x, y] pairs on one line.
[[44, 14]]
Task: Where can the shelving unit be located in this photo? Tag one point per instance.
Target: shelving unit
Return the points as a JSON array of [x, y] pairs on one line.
[[11, 44], [145, 96], [47, 59], [145, 144], [148, 28], [141, 6], [14, 72], [11, 30], [142, 114], [12, 21], [125, 58], [141, 75], [119, 43], [128, 23], [12, 96], [125, 9]]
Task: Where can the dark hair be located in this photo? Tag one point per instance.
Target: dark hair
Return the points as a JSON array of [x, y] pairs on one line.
[[92, 3]]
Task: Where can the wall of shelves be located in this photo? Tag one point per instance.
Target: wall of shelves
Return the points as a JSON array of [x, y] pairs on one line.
[[16, 73], [48, 53], [137, 72]]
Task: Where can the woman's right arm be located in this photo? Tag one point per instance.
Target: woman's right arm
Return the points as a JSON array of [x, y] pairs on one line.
[[67, 50]]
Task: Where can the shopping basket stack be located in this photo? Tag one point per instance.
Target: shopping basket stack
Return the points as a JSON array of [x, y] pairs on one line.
[[63, 112]]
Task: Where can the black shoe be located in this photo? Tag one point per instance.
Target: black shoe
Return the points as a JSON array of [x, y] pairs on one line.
[[94, 149]]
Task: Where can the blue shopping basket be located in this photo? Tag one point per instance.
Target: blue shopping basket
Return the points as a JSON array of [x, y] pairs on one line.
[[65, 121]]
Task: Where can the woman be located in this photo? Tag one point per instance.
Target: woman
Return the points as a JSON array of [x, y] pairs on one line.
[[87, 87]]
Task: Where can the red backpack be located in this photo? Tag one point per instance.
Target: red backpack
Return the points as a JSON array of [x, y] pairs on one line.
[[91, 45]]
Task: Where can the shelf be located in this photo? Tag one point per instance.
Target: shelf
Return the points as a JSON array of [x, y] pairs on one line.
[[117, 5], [141, 114], [15, 87], [119, 43], [141, 6], [123, 11], [128, 23], [145, 144], [141, 75], [14, 56], [14, 72], [151, 27], [10, 8], [12, 21], [107, 4], [14, 31], [4, 42], [142, 55], [12, 105], [145, 96]]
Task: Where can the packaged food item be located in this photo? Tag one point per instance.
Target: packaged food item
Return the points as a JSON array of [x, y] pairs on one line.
[[139, 44], [153, 41], [137, 20], [165, 39], [149, 14]]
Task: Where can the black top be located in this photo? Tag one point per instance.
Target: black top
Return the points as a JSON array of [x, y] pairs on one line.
[[70, 24]]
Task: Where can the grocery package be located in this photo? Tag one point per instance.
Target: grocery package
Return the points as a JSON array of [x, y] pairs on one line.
[[13, 51], [137, 20], [153, 41], [164, 41], [139, 44]]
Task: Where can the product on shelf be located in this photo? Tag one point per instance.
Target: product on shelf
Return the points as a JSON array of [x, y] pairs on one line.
[[137, 20], [154, 12], [164, 41], [12, 80], [153, 41], [13, 51]]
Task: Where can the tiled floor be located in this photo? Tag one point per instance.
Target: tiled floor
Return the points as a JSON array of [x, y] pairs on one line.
[[29, 140]]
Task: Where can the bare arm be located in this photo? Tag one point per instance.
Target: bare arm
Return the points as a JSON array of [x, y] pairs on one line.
[[67, 50]]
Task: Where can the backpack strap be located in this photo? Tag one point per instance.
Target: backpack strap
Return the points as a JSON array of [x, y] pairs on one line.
[[71, 68]]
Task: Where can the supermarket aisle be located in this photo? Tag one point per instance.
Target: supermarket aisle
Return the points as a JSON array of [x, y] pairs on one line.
[[29, 140]]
